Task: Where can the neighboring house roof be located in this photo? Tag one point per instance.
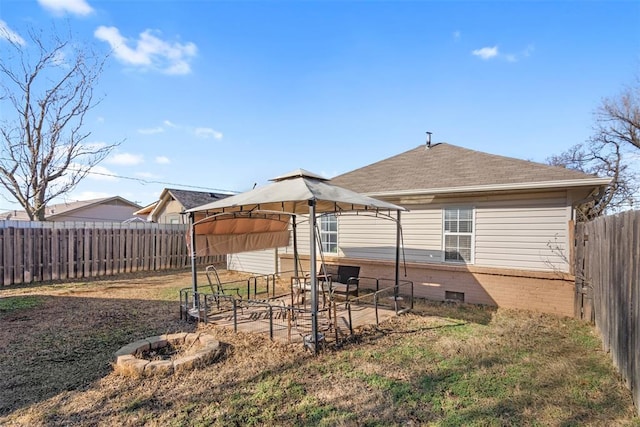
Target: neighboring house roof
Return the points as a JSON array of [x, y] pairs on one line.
[[147, 209], [445, 168], [187, 198], [69, 209], [190, 199]]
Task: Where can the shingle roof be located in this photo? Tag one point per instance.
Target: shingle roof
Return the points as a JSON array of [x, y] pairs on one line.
[[190, 199], [448, 166]]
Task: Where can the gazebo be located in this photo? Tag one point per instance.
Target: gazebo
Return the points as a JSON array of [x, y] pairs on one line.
[[260, 219]]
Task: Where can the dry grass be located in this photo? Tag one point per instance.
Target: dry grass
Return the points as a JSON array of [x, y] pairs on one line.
[[442, 365]]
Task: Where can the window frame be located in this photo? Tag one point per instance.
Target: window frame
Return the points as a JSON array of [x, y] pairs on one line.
[[471, 234], [322, 220]]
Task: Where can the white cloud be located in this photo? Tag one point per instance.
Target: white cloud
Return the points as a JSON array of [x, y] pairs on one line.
[[207, 133], [100, 119], [198, 132], [457, 35], [60, 7], [125, 159], [150, 52], [163, 160], [151, 131], [10, 35], [486, 53], [100, 173]]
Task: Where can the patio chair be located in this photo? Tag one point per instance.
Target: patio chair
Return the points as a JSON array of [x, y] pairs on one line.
[[344, 280], [214, 280], [301, 285]]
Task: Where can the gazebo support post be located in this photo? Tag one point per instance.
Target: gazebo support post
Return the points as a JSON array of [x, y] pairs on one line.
[[314, 276], [398, 235], [194, 273], [295, 246]]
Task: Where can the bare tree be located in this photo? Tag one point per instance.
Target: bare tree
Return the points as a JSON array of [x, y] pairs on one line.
[[47, 89], [609, 153], [619, 118]]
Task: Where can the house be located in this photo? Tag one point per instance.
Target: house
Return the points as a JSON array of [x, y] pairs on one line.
[[172, 202], [481, 228], [106, 209]]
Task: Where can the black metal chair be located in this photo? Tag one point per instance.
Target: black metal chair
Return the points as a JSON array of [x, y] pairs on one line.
[[344, 280]]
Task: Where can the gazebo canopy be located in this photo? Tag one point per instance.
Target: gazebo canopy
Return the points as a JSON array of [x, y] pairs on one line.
[[292, 192], [259, 219]]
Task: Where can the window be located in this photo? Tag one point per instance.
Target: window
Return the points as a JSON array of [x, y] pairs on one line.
[[172, 219], [458, 235], [329, 233]]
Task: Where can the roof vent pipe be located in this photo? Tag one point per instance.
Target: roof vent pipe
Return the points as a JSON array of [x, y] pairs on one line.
[[429, 140]]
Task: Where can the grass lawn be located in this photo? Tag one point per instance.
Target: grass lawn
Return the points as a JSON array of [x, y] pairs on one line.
[[442, 365]]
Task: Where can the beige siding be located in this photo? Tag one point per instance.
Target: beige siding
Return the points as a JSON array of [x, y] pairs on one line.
[[366, 237], [513, 232], [103, 212], [521, 234], [172, 211], [258, 262]]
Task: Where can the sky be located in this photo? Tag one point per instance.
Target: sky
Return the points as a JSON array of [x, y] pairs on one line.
[[224, 95]]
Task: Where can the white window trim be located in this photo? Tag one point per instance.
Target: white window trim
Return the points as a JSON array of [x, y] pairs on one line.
[[473, 235], [337, 233]]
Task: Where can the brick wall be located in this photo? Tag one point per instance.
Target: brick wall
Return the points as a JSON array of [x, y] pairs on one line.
[[545, 292]]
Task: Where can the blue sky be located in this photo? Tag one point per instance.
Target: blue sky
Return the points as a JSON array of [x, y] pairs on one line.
[[223, 95]]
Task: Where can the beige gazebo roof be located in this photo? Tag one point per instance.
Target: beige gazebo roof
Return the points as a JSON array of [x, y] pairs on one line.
[[292, 192], [260, 218]]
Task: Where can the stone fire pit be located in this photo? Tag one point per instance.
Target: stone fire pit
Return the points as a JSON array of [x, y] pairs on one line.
[[165, 354]]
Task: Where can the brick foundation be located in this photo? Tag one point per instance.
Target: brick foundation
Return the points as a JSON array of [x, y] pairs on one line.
[[545, 292]]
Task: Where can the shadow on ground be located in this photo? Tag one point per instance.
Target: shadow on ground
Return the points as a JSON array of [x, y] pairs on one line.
[[66, 343]]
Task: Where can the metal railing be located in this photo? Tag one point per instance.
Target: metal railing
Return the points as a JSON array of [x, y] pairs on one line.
[[400, 297], [288, 322], [255, 286]]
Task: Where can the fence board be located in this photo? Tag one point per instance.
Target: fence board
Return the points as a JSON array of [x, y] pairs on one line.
[[47, 247], [611, 259], [119, 250], [7, 255], [57, 254], [57, 251], [63, 261], [27, 260], [635, 320], [71, 246], [578, 269], [86, 252]]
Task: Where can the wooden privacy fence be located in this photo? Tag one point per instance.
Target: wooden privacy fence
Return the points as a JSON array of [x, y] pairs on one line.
[[39, 252], [608, 288]]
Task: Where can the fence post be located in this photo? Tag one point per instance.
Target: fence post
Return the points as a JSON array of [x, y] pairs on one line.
[[270, 322], [578, 268]]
